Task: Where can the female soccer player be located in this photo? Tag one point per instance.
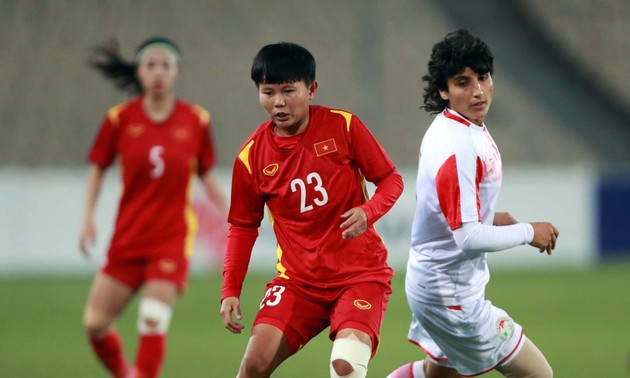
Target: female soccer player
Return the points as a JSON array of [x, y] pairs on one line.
[[162, 142], [307, 164], [455, 224]]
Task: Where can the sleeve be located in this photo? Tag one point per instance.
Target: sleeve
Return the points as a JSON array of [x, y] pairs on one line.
[[457, 185], [377, 167], [246, 213], [207, 153], [104, 148], [237, 256], [247, 205], [478, 237]]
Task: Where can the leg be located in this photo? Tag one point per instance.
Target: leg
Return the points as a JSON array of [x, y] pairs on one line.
[[107, 299], [426, 368], [433, 370], [267, 348], [529, 363], [156, 308], [352, 350]]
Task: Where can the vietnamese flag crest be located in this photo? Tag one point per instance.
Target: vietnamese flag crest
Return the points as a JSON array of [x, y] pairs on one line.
[[326, 147]]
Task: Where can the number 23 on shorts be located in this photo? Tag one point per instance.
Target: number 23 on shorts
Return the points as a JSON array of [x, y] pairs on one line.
[[272, 296]]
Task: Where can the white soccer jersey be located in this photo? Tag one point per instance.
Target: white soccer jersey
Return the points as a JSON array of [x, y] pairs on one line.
[[459, 178]]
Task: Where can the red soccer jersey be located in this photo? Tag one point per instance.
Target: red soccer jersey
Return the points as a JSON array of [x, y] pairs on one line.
[[306, 190], [158, 161]]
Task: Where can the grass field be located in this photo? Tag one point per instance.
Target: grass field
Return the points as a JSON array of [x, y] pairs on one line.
[[579, 318]]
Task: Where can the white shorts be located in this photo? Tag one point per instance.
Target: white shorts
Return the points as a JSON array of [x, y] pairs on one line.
[[473, 338]]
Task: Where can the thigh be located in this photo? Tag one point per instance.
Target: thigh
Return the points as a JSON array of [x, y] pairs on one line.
[[362, 307], [529, 362], [266, 349], [164, 291], [107, 299], [298, 316]]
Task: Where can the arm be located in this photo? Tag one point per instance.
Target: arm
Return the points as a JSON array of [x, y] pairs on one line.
[[214, 192], [476, 237], [377, 167], [359, 218], [239, 248], [88, 234]]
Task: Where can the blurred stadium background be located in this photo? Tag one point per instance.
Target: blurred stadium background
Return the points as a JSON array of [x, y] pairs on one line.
[[560, 117]]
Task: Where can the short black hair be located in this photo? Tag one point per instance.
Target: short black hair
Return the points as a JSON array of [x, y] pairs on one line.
[[450, 56], [283, 62]]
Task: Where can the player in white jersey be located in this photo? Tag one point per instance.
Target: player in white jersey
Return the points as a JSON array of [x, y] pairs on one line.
[[455, 225]]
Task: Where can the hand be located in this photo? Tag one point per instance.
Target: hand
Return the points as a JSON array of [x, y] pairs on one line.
[[503, 219], [545, 236], [229, 306], [355, 223], [87, 238]]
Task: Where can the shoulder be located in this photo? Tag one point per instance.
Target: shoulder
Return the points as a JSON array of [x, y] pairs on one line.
[[257, 137], [342, 117], [197, 111], [117, 112]]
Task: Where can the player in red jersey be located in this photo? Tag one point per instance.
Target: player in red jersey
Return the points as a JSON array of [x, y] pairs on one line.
[[308, 164], [162, 142]]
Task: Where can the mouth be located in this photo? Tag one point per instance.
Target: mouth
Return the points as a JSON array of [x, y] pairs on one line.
[[478, 105], [281, 116]]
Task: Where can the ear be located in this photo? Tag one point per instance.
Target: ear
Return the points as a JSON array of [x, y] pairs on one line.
[[444, 95], [312, 89]]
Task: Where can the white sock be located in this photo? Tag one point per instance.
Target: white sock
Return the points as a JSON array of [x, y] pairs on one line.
[[418, 369]]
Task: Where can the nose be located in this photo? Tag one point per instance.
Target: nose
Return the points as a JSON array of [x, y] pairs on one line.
[[477, 89], [278, 101]]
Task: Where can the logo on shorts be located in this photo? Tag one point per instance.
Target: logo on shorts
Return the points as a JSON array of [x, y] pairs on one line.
[[167, 266], [362, 304], [505, 328]]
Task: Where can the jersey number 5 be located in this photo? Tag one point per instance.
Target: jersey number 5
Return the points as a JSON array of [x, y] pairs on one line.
[[314, 180], [157, 161]]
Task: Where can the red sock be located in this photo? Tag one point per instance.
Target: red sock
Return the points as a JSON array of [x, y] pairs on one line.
[[109, 350], [150, 356]]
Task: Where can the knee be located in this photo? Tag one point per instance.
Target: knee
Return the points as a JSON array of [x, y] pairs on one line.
[[96, 323], [154, 316], [349, 358], [254, 366]]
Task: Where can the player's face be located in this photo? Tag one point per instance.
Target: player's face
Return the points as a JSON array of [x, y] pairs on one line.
[[288, 105], [158, 71], [469, 94]]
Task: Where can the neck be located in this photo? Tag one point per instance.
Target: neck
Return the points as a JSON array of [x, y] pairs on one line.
[[158, 108]]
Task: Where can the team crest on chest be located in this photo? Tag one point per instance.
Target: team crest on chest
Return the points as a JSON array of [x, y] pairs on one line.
[[181, 132], [326, 147], [271, 169], [135, 129]]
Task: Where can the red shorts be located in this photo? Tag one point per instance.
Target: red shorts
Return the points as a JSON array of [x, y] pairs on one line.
[[134, 272], [302, 314]]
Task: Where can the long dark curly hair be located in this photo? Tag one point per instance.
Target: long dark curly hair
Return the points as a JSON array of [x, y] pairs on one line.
[[450, 56]]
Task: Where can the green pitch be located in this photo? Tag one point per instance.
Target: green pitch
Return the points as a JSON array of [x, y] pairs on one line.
[[580, 319]]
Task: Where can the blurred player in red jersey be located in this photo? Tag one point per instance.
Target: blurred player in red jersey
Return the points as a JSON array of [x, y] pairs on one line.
[[162, 142], [308, 164]]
